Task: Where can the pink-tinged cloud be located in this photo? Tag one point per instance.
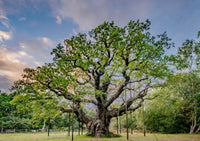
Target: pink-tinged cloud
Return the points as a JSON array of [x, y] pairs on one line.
[[11, 65], [31, 53]]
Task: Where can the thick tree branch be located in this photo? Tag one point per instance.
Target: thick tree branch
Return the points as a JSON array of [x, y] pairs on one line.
[[116, 112], [120, 90], [67, 96], [66, 110], [129, 102], [82, 116], [136, 107]]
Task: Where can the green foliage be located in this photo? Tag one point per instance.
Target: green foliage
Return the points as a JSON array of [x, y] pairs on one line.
[[89, 65], [173, 110], [8, 114], [176, 110], [165, 115], [36, 109], [188, 55], [13, 122], [109, 51], [5, 106]]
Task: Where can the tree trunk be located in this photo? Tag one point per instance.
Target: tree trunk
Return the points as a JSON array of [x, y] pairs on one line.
[[198, 129], [193, 126], [43, 127], [99, 127]]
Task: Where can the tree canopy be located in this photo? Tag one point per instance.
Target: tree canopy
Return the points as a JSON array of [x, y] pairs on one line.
[[99, 68]]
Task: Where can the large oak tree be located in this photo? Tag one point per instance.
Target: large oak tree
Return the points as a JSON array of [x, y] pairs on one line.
[[97, 68]]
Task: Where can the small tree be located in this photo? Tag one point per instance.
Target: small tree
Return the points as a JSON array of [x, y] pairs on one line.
[[98, 68]]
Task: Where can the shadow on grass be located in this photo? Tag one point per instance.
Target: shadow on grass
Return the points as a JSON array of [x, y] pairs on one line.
[[83, 137], [110, 135]]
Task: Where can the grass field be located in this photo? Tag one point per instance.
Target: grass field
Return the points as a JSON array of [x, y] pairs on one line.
[[64, 137]]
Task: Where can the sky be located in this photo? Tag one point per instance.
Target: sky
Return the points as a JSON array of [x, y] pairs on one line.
[[30, 29]]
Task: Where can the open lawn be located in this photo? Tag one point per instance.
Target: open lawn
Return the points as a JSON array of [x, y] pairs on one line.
[[64, 137]]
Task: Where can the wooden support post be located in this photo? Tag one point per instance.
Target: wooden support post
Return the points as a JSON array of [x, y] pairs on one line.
[[48, 126], [117, 123], [120, 125], [127, 135], [69, 124], [73, 120], [79, 126], [131, 118], [131, 122], [144, 129]]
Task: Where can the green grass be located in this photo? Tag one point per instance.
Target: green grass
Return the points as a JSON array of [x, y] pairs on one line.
[[64, 137]]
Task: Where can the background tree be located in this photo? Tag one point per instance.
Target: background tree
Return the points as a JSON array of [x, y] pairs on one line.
[[98, 68], [9, 118], [5, 106], [173, 110], [165, 113], [37, 106], [188, 60]]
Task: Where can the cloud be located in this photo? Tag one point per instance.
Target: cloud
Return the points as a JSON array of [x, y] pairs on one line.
[[46, 41], [74, 31], [11, 64], [24, 54], [4, 20], [5, 84], [37, 63], [40, 47], [31, 53], [58, 20], [22, 19], [5, 35], [16, 7], [88, 14]]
